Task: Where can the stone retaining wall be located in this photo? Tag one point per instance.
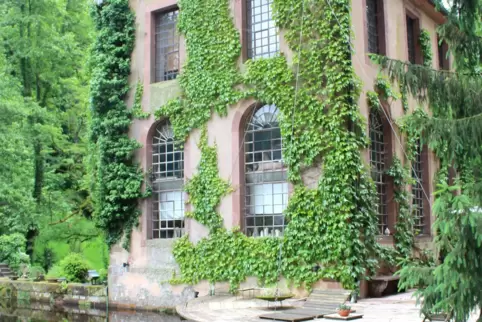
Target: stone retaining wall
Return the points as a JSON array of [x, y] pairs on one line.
[[77, 295]]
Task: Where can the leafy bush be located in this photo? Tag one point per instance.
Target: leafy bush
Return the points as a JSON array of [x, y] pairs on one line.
[[35, 271], [55, 271], [12, 251], [102, 275], [74, 267]]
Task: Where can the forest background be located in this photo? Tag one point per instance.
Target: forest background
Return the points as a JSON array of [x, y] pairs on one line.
[[44, 132]]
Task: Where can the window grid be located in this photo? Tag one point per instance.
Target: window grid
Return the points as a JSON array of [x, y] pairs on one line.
[[377, 163], [266, 187], [411, 39], [372, 26], [263, 38], [442, 55], [167, 46], [167, 175], [417, 192]]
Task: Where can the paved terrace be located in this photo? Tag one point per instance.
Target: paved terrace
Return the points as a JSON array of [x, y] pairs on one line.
[[396, 308]]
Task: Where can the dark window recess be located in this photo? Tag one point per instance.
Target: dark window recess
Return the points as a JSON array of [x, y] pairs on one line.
[[167, 46], [377, 163], [167, 182], [411, 40], [263, 38], [418, 194], [375, 26], [443, 59], [266, 186]]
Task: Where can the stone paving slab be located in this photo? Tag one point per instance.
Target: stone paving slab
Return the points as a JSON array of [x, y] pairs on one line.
[[396, 308]]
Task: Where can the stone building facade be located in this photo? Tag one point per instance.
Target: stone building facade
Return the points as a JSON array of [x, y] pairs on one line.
[[140, 277]]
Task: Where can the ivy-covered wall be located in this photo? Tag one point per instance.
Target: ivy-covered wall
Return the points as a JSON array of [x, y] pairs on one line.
[[325, 216]]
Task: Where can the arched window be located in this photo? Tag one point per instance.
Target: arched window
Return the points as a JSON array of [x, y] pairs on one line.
[[378, 151], [266, 187], [418, 195], [168, 178]]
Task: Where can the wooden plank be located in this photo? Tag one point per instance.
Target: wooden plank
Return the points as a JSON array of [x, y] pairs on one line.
[[336, 316], [285, 316], [314, 312]]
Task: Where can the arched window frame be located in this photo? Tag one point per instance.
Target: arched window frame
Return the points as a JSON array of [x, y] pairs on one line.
[[265, 185], [166, 220], [381, 158]]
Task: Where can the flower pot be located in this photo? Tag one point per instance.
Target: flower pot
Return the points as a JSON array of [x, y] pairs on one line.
[[343, 312]]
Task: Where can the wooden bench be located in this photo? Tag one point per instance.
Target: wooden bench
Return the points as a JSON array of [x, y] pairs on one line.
[[436, 317], [251, 291], [379, 285]]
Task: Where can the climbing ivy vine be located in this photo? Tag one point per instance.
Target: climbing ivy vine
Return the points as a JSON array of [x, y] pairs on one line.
[[118, 179], [206, 189], [426, 47], [404, 233], [333, 226], [210, 74], [137, 107]]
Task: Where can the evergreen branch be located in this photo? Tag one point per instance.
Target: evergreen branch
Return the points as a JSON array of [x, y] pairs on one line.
[[449, 94]]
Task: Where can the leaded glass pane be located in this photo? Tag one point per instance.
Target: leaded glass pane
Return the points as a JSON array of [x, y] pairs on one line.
[[266, 193], [167, 46], [263, 38], [372, 26], [167, 174], [377, 162], [411, 42], [417, 192]]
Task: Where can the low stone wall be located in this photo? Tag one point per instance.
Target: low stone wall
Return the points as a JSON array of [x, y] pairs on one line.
[[81, 296]]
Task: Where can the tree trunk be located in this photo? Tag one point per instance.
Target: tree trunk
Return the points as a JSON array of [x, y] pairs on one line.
[[39, 172]]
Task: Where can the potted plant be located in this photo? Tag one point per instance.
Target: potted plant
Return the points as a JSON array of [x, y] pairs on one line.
[[344, 310]]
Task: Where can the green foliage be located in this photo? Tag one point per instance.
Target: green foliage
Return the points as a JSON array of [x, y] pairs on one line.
[[206, 189], [12, 250], [227, 256], [137, 107], [373, 100], [426, 47], [333, 225], [74, 267], [448, 94], [404, 231], [35, 272], [118, 179], [384, 88], [103, 275], [272, 82], [55, 272], [451, 287], [210, 75]]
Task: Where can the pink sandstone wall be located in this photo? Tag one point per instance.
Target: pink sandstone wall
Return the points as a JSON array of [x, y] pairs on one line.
[[145, 281]]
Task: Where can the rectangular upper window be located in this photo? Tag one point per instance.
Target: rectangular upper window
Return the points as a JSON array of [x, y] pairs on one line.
[[443, 59], [375, 27], [262, 33], [413, 34], [167, 46]]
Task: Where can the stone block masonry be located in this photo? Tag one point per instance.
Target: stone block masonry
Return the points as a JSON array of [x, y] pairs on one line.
[[74, 295]]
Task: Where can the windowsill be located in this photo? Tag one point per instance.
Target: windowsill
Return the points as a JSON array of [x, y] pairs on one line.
[[423, 238], [166, 83], [385, 240]]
